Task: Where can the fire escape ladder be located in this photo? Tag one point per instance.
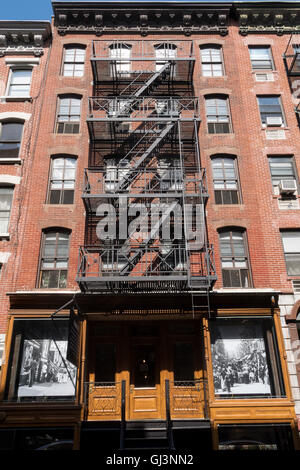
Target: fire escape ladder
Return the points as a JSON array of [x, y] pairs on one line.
[[142, 155], [152, 235], [152, 81]]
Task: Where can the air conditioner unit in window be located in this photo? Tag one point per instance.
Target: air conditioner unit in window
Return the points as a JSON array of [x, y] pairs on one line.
[[287, 187], [274, 121]]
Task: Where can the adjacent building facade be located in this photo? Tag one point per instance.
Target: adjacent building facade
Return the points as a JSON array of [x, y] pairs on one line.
[[152, 302]]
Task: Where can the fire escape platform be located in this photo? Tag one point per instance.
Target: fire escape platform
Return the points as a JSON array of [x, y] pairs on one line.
[[108, 63]]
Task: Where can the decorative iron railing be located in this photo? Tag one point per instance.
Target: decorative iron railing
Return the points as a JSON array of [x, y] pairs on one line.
[[189, 398], [103, 399]]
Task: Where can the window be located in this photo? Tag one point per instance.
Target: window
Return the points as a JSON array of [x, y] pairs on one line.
[[218, 116], [10, 139], [270, 108], [68, 116], [234, 259], [54, 259], [261, 58], [38, 365], [62, 180], [225, 177], [116, 172], [291, 248], [255, 437], [183, 362], [245, 358], [120, 53], [212, 61], [19, 83], [6, 195], [73, 64], [170, 174], [163, 53], [283, 175]]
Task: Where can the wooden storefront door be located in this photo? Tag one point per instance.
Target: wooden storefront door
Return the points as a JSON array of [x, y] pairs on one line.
[[145, 380]]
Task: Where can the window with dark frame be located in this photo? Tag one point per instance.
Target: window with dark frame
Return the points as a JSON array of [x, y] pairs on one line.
[[212, 61], [218, 115], [62, 180], [271, 112], [68, 115], [282, 169], [73, 61], [291, 248], [234, 258], [261, 58], [54, 259], [19, 83], [10, 139], [226, 182], [6, 196]]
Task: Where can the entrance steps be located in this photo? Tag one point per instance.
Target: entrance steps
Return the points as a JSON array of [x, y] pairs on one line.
[[146, 436]]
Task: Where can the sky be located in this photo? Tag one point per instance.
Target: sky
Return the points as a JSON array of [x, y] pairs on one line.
[[36, 9]]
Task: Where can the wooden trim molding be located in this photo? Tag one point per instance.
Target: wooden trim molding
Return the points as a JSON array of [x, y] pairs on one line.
[[293, 315]]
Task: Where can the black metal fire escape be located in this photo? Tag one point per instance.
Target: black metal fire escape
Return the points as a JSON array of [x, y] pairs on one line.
[[143, 125], [291, 59]]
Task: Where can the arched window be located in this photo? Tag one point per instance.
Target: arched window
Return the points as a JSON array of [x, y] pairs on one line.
[[121, 53], [234, 258], [163, 53], [54, 259], [68, 114], [226, 181], [62, 180], [10, 138], [218, 114], [73, 60], [212, 61]]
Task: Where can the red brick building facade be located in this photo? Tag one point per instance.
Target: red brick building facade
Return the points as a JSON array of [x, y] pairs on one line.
[[157, 103]]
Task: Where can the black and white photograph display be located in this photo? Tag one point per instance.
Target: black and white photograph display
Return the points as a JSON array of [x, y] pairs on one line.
[[240, 364], [43, 368]]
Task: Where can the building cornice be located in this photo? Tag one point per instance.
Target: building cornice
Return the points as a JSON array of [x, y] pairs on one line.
[[143, 18], [176, 17], [23, 37], [268, 19]]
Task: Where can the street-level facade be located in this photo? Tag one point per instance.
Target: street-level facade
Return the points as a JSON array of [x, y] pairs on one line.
[[157, 305]]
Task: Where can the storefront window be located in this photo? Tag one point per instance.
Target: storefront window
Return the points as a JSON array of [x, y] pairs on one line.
[[245, 358], [36, 439], [255, 437], [39, 370]]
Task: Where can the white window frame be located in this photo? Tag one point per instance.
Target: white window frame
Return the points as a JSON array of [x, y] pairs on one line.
[[15, 68]]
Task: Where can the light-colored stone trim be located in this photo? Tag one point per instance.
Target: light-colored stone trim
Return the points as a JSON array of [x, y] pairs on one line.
[[14, 115], [10, 179]]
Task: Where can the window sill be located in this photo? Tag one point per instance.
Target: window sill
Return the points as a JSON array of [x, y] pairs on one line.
[[10, 161], [238, 204], [15, 98], [254, 71], [4, 236], [220, 76], [219, 133], [275, 128]]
